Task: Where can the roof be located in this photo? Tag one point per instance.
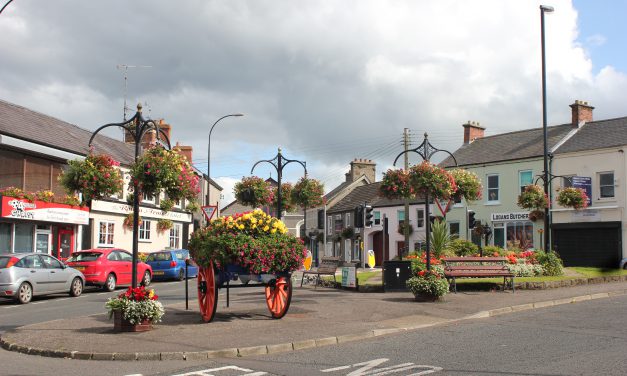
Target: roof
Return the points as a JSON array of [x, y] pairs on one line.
[[22, 123], [528, 143], [367, 193], [597, 135]]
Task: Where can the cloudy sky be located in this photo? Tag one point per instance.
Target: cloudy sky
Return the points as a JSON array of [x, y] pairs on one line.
[[327, 81]]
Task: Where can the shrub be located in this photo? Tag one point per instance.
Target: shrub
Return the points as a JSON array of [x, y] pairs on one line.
[[551, 262], [493, 250], [463, 247], [440, 238]]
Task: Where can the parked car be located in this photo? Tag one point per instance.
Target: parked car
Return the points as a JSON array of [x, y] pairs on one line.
[[109, 267], [170, 264], [24, 275]]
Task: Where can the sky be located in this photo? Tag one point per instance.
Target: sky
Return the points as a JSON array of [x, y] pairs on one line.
[[326, 81]]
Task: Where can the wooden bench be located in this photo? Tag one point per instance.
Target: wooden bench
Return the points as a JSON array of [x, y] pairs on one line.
[[328, 266], [474, 267]]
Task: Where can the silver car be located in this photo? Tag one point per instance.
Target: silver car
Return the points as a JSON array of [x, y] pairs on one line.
[[23, 275]]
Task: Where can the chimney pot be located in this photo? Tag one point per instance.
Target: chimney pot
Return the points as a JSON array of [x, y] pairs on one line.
[[581, 113], [472, 131]]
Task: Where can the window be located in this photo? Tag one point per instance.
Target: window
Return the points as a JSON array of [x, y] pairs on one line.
[[329, 225], [51, 263], [525, 178], [348, 220], [567, 181], [493, 188], [400, 214], [125, 256], [377, 218], [5, 237], [339, 224], [105, 233], [175, 235], [499, 235], [606, 185], [520, 234], [420, 214], [144, 230], [453, 228], [30, 262], [24, 237], [148, 199]]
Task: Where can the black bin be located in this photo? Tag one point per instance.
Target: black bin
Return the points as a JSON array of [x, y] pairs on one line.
[[395, 275]]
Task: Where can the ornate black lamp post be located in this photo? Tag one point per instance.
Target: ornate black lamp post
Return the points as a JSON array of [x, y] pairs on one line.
[[426, 151], [137, 127], [278, 162]]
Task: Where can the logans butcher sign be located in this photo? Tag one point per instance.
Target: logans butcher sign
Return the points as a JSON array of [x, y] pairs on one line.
[[521, 216]]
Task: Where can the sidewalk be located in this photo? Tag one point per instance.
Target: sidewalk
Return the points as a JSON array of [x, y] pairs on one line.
[[317, 317]]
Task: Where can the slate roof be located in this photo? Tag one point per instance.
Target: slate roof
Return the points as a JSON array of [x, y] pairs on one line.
[[22, 123], [366, 193], [597, 135], [528, 143]]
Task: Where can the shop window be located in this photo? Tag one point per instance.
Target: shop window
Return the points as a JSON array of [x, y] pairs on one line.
[[5, 237], [24, 234], [520, 235], [493, 188], [606, 185], [525, 178], [105, 233], [144, 230], [498, 234], [175, 236], [377, 218]]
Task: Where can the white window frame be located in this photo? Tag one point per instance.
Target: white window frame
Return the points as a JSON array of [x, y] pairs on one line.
[[377, 221], [613, 185], [498, 189], [147, 200], [348, 222], [520, 183], [175, 236], [144, 230], [107, 233], [418, 219]]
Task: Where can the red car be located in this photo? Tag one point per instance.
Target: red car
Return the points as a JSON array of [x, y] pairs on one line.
[[109, 267]]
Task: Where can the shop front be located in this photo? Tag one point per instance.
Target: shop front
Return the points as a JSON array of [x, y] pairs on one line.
[[513, 229], [39, 226]]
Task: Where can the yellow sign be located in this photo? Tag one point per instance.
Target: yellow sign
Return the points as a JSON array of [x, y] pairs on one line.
[[308, 259], [371, 261]]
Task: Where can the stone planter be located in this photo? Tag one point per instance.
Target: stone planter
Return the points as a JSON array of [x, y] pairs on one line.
[[120, 324], [426, 298]]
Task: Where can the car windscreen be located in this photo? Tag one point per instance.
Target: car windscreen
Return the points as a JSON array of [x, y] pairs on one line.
[[159, 256], [84, 256], [4, 261]]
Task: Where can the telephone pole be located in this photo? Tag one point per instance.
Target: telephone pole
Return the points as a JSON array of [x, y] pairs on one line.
[[406, 220]]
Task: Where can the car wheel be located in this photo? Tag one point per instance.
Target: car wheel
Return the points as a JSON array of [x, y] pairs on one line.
[[110, 283], [25, 293], [181, 274], [146, 279], [76, 289]]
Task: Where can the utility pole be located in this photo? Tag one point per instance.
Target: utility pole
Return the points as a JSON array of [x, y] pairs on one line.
[[125, 67], [406, 221]]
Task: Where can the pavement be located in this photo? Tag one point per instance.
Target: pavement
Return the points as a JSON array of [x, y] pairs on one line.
[[316, 317]]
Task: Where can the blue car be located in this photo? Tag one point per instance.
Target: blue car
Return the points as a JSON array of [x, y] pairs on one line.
[[170, 264]]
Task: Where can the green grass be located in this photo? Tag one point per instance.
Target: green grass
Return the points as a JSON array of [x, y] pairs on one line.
[[362, 277], [585, 272], [598, 272]]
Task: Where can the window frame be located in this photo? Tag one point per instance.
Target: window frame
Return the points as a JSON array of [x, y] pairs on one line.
[[398, 216], [377, 218], [488, 189], [420, 219], [144, 230], [520, 178], [175, 234], [613, 185], [107, 233]]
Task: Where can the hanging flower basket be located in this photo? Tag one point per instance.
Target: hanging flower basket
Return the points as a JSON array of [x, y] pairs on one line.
[[128, 221], [401, 228], [468, 185], [255, 241], [308, 193], [164, 225], [286, 197], [533, 198], [95, 177], [396, 184], [427, 178], [536, 215], [253, 191], [571, 197], [160, 169], [348, 232]]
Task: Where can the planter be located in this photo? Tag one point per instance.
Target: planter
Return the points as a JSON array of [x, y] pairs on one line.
[[120, 324], [426, 298]]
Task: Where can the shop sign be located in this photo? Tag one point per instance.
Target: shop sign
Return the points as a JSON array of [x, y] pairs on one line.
[[519, 216], [121, 208], [43, 211], [586, 216], [585, 183]]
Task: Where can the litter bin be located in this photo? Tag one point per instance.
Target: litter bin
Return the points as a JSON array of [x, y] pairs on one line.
[[395, 275]]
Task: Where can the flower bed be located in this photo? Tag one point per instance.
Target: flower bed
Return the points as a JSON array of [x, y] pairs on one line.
[[253, 240]]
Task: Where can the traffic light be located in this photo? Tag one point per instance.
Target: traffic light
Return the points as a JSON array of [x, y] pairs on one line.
[[359, 217], [368, 216], [472, 222]]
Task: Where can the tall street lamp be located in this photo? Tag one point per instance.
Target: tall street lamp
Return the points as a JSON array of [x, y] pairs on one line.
[[547, 218], [209, 153]]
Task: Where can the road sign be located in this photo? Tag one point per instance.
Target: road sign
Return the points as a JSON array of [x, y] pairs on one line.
[[209, 211]]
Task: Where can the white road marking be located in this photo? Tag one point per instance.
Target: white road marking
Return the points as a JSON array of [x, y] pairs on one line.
[[210, 372], [369, 368]]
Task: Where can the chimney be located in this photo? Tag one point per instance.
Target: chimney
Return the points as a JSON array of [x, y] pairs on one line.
[[582, 113], [185, 151], [149, 140], [165, 128], [361, 167], [472, 131]]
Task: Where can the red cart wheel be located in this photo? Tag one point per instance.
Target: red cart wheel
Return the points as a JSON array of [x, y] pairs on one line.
[[279, 296], [207, 292]]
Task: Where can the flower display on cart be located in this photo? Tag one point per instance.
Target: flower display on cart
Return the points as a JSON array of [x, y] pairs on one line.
[[308, 193], [95, 177], [254, 240], [253, 191], [468, 185], [533, 197], [571, 197], [137, 305]]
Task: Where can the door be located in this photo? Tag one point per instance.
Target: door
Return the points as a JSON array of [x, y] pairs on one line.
[[57, 274], [42, 242], [65, 244], [588, 244], [121, 263]]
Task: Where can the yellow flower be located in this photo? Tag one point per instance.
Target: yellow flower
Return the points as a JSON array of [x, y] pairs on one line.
[[253, 220], [273, 231], [266, 228]]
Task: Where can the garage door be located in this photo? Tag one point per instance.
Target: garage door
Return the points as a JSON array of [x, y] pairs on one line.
[[588, 244]]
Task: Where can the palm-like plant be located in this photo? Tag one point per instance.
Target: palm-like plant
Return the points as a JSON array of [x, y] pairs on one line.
[[440, 237]]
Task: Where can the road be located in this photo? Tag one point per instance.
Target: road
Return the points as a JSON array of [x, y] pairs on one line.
[[586, 338]]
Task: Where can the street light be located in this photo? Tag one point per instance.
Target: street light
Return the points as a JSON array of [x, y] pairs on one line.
[[547, 218], [209, 143]]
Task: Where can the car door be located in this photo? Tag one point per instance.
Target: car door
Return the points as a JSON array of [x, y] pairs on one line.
[[32, 269], [57, 275], [126, 262]]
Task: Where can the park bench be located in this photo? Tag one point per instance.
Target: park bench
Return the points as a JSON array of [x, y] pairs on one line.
[[328, 266], [475, 267]]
